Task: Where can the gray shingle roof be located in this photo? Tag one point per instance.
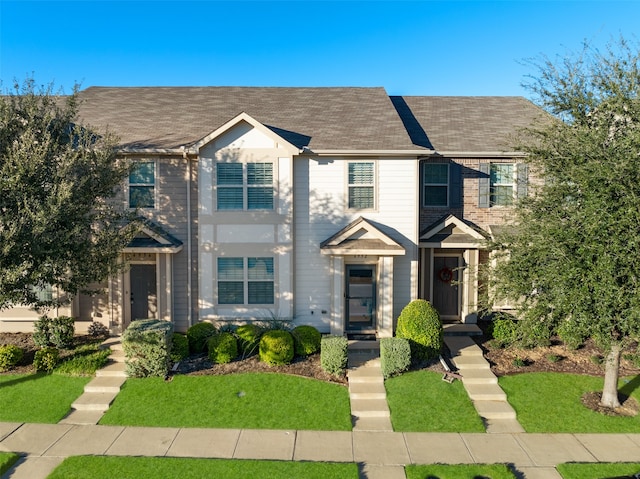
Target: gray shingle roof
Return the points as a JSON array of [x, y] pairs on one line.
[[465, 124], [320, 118]]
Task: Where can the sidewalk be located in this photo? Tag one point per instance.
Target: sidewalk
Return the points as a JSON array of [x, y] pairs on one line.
[[383, 453]]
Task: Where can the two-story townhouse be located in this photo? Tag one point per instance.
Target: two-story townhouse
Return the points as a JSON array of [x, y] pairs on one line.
[[330, 206], [468, 183]]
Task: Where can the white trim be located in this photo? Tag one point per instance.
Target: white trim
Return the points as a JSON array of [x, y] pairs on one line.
[[449, 220]]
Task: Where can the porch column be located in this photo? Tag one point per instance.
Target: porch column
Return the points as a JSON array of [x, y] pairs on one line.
[[385, 296], [337, 295]]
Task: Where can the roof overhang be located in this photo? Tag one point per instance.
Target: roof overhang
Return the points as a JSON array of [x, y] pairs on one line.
[[361, 238], [451, 232], [153, 239]]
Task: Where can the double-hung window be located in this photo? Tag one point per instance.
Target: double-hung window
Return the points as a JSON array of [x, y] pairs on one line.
[[245, 280], [361, 181], [244, 186], [142, 185], [436, 184], [502, 184]]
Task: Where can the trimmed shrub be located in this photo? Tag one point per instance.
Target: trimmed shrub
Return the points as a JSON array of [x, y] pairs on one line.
[[504, 331], [46, 359], [276, 347], [198, 335], [10, 355], [395, 356], [179, 347], [146, 344], [41, 332], [571, 338], [306, 340], [333, 354], [419, 322], [97, 330], [223, 348], [533, 333], [56, 332], [248, 339]]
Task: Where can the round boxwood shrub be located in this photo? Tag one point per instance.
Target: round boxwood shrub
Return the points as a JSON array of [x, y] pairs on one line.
[[419, 322], [198, 335], [46, 359], [223, 348], [306, 340], [504, 330], [276, 347], [10, 355], [248, 339], [179, 347]]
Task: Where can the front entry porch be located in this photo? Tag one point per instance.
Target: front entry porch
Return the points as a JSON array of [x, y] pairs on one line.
[[361, 279]]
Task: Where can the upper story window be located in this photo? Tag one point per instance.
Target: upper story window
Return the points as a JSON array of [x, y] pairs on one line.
[[244, 186], [142, 185], [245, 281], [500, 184], [361, 181], [436, 184]]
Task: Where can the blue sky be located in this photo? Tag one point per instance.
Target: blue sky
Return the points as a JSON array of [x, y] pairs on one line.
[[408, 47]]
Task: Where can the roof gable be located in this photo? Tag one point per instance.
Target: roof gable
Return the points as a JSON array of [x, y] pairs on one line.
[[361, 237], [451, 232]]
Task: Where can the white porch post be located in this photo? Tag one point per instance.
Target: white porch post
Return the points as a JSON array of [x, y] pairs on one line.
[[337, 295], [385, 296]]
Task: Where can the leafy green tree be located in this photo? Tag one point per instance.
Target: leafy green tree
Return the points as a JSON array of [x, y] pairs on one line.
[[59, 226], [571, 260]]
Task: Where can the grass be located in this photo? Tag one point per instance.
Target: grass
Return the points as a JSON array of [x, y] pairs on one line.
[[252, 400], [460, 471], [43, 398], [85, 361], [591, 470], [108, 467], [421, 402], [7, 459], [550, 402]]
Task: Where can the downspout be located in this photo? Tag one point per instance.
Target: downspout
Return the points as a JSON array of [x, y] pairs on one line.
[[189, 253]]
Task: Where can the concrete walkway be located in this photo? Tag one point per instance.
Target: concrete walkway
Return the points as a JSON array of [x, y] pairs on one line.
[[381, 454]]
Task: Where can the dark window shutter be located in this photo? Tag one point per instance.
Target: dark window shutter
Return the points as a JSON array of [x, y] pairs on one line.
[[484, 185], [523, 179], [455, 185]]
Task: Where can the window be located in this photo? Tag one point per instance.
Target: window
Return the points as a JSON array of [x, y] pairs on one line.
[[251, 276], [244, 186], [44, 293], [436, 184], [361, 180], [502, 183], [142, 180]]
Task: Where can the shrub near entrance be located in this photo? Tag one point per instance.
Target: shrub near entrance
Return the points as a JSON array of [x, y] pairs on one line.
[[419, 322]]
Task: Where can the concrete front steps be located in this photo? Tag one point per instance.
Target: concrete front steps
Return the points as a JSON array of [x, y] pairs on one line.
[[100, 392], [480, 383], [367, 394]]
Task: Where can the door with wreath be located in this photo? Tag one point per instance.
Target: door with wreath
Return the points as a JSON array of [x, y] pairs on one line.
[[446, 287]]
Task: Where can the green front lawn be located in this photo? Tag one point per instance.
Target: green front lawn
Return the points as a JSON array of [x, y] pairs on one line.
[[460, 471], [41, 397], [7, 459], [550, 402], [421, 401], [253, 400], [591, 470], [109, 467]]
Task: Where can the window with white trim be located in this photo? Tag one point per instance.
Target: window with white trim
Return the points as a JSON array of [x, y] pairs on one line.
[[142, 185], [244, 186], [436, 184], [44, 293], [246, 280], [361, 185], [502, 184]]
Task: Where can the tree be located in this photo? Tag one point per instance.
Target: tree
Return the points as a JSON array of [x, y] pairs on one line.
[[59, 225], [571, 260]]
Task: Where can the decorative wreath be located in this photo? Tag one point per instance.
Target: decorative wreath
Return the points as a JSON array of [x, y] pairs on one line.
[[445, 275]]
